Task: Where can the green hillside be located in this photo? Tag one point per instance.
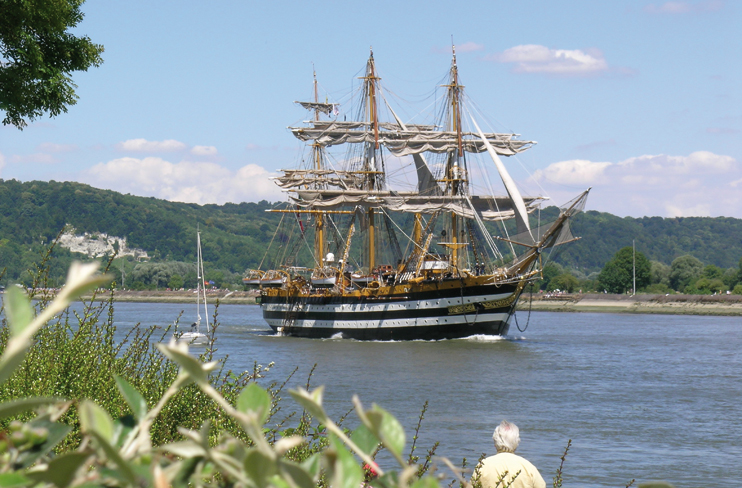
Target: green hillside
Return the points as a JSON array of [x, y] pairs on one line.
[[235, 236], [716, 241], [33, 213]]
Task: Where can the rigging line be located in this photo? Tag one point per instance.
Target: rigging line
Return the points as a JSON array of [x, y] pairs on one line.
[[275, 233], [420, 112], [490, 188], [487, 237], [482, 116], [400, 229]]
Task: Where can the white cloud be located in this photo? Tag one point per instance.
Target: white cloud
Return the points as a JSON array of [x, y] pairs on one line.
[[680, 165], [574, 172], [143, 145], [532, 58], [2, 163], [699, 184], [676, 7], [204, 151], [184, 181]]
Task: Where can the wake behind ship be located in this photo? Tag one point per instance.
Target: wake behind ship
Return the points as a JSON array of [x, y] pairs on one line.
[[363, 252]]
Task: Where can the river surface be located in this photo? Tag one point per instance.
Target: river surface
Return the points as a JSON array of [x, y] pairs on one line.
[[651, 397]]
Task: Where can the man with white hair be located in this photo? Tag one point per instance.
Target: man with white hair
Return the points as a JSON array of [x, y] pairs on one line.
[[505, 466]]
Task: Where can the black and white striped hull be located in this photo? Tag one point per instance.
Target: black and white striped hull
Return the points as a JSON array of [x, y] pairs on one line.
[[439, 314]]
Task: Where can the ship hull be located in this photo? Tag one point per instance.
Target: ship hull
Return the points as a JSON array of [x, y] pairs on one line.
[[449, 313]]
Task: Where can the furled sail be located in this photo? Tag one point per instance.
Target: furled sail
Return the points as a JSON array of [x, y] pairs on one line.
[[326, 108], [415, 140], [488, 207]]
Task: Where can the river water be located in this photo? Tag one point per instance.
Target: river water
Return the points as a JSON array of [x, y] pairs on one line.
[[650, 397]]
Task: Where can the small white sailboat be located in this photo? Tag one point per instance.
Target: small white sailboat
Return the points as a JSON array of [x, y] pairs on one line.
[[194, 336]]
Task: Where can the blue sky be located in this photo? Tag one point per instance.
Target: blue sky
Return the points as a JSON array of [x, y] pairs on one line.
[[640, 100]]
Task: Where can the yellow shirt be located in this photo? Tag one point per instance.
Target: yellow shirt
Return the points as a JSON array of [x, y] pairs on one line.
[[494, 467]]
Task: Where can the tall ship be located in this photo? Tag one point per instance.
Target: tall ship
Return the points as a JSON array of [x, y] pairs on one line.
[[394, 231]]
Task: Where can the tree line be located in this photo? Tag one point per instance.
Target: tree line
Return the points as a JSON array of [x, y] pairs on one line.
[[629, 268]]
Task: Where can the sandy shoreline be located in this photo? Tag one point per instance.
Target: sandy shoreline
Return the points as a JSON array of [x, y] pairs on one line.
[[661, 304]]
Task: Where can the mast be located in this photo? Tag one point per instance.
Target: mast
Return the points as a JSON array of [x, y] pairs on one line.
[[453, 169], [317, 152], [200, 287], [370, 164]]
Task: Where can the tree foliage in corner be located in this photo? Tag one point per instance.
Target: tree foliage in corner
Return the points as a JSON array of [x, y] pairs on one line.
[[37, 56]]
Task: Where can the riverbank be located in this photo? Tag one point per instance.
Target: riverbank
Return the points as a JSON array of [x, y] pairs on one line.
[[183, 296], [594, 302], [656, 304]]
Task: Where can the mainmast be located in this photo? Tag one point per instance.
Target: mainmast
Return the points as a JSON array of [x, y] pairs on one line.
[[455, 175]]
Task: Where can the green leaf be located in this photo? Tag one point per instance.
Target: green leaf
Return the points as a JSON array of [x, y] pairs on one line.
[[365, 439], [125, 469], [185, 449], [95, 420], [61, 470], [10, 361], [391, 431], [346, 473], [313, 464], [298, 474], [14, 480], [14, 407], [82, 278], [133, 398], [195, 369], [56, 432], [122, 429], [18, 309], [259, 466], [256, 399], [311, 402]]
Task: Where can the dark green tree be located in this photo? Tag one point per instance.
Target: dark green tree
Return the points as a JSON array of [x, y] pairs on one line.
[[563, 282], [176, 282], [38, 55], [617, 275], [684, 271], [660, 273]]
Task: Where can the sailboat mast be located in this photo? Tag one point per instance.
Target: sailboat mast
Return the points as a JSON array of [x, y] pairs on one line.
[[200, 272]]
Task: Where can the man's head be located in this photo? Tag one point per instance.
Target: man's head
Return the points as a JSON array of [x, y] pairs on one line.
[[506, 437]]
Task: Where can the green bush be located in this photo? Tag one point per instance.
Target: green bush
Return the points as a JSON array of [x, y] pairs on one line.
[[657, 289], [121, 452]]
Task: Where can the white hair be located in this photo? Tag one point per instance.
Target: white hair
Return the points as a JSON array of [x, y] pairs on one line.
[[506, 437]]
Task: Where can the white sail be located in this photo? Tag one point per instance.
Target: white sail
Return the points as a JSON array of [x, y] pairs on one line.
[[426, 184], [521, 215]]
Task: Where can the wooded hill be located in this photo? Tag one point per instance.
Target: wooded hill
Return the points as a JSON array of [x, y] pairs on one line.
[[235, 236]]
